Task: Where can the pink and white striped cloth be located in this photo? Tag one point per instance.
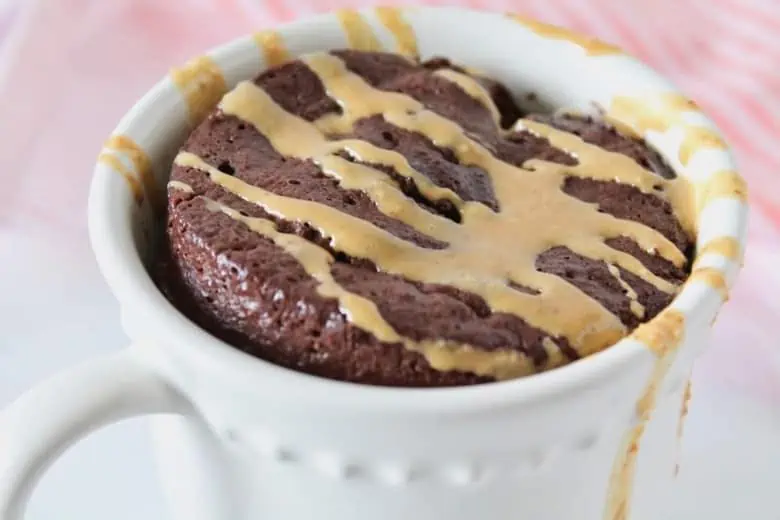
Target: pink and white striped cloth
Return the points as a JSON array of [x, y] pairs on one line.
[[70, 68]]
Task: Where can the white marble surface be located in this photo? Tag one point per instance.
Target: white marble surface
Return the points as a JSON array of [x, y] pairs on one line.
[[55, 311]]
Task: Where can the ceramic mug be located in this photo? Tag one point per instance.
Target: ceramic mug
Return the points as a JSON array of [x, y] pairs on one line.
[[243, 439]]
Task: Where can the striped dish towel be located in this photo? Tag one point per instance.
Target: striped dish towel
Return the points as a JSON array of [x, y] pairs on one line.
[[70, 68]]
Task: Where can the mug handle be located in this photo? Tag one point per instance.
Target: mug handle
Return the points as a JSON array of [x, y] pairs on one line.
[[39, 426]]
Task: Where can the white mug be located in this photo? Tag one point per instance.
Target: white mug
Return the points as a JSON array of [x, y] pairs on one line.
[[242, 439]]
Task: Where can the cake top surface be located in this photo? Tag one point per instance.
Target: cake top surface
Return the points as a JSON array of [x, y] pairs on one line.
[[412, 199]]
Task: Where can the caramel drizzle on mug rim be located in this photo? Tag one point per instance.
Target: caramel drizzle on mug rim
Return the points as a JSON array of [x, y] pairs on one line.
[[657, 113], [684, 409], [360, 36], [591, 46], [140, 177], [664, 336], [272, 48], [201, 83]]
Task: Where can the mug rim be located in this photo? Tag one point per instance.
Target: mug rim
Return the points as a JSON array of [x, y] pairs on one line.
[[110, 219]]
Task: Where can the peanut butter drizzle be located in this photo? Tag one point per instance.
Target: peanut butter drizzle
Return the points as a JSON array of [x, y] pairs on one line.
[[485, 252], [272, 48], [360, 35], [140, 178], [555, 357], [697, 138], [358, 100], [663, 336], [393, 20], [181, 186], [591, 46], [115, 163], [637, 308], [723, 245], [201, 83], [684, 407], [712, 277], [473, 88], [659, 113], [441, 354], [723, 184]]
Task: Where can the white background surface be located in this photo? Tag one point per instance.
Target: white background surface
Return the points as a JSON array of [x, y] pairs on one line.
[[52, 318]]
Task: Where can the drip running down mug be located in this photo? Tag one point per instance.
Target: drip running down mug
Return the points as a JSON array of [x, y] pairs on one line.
[[238, 438]]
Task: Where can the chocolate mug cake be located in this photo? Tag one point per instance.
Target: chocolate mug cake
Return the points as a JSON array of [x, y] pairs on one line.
[[373, 218]]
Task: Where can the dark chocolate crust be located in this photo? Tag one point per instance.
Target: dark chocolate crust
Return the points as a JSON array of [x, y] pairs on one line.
[[249, 292]]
